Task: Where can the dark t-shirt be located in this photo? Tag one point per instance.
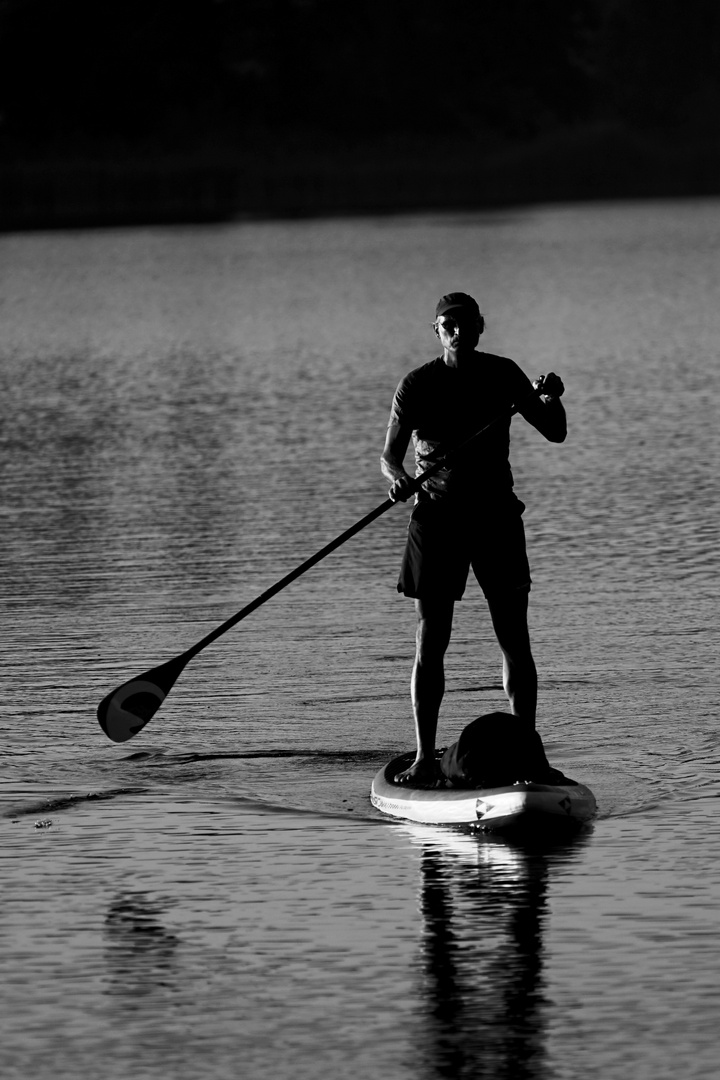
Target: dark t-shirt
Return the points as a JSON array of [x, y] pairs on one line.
[[444, 406]]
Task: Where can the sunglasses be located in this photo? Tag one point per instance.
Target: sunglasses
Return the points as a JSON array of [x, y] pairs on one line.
[[449, 325]]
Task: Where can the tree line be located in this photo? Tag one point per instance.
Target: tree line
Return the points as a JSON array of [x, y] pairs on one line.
[[175, 73]]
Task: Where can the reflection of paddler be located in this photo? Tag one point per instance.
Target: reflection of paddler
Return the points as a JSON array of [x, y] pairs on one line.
[[483, 997], [140, 950]]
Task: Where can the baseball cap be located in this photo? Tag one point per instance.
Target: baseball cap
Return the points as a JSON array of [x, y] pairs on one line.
[[457, 302]]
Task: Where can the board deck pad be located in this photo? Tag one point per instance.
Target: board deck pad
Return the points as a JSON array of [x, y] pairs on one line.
[[522, 805]]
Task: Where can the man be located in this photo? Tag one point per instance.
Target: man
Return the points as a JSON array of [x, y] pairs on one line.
[[467, 513]]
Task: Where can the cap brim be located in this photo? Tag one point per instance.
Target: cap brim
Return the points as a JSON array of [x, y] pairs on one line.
[[457, 307]]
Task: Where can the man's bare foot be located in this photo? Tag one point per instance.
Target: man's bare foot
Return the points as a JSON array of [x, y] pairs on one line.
[[421, 773]]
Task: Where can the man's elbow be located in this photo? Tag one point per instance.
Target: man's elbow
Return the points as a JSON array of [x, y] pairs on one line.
[[387, 462], [555, 431], [555, 428]]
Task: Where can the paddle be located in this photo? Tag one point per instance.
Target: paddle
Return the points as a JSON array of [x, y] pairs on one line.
[[126, 710]]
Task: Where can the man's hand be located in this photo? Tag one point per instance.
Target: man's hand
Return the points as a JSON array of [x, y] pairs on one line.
[[401, 489], [550, 385]]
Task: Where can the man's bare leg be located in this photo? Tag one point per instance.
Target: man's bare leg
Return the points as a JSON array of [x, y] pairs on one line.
[[509, 616], [427, 685]]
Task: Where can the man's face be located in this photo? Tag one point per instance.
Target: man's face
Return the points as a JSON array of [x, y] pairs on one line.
[[458, 331]]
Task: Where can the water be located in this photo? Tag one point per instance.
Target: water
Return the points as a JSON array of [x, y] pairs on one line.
[[186, 415]]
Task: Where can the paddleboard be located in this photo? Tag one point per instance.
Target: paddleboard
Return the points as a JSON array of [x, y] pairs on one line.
[[523, 805]]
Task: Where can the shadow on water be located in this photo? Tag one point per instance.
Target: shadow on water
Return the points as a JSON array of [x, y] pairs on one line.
[[482, 1001]]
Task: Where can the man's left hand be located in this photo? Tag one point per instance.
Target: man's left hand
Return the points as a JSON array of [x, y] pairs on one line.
[[550, 385]]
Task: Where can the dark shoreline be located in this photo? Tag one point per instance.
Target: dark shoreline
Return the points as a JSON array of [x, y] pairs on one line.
[[294, 179]]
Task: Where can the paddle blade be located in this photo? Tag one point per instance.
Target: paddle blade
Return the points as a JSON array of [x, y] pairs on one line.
[[126, 710]]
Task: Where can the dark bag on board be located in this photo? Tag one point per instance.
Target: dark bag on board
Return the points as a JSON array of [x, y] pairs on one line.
[[495, 750]]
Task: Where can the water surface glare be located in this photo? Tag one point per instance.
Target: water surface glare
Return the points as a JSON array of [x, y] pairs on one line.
[[188, 413]]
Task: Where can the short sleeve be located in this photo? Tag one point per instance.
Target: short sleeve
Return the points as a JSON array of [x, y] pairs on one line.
[[401, 408], [520, 382], [521, 387]]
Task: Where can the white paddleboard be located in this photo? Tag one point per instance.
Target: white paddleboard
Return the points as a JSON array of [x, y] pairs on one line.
[[523, 805]]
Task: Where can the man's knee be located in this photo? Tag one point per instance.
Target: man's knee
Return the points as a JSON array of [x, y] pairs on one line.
[[509, 617], [433, 628]]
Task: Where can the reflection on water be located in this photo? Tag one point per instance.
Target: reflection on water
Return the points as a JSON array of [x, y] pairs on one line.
[[482, 996], [139, 951]]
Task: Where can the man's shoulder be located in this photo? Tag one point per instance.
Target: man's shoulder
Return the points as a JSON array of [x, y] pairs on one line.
[[425, 372], [490, 357], [421, 382], [437, 367], [502, 368], [413, 392], [495, 360]]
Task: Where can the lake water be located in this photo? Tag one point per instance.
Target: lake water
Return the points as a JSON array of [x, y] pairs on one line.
[[188, 413]]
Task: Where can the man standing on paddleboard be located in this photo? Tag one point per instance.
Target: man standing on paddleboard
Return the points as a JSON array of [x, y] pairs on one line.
[[467, 514]]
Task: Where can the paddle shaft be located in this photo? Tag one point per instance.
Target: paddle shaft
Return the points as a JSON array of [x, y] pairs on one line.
[[283, 582], [273, 590]]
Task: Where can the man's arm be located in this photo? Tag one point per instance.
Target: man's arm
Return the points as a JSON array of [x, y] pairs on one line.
[[391, 462], [545, 411]]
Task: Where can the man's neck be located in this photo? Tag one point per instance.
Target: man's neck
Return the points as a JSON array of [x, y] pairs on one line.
[[457, 358]]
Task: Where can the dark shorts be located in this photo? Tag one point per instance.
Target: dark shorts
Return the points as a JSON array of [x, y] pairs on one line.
[[443, 544]]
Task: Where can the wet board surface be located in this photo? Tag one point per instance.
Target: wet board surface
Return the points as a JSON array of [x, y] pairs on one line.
[[523, 805]]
